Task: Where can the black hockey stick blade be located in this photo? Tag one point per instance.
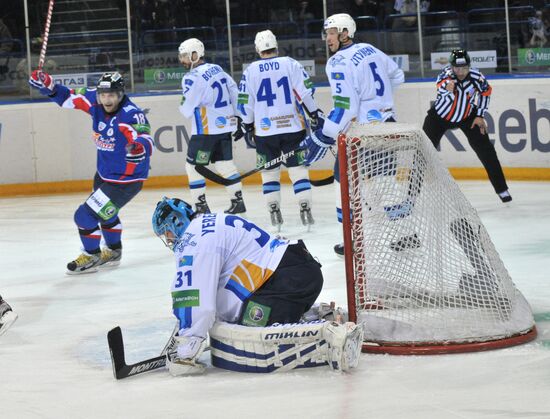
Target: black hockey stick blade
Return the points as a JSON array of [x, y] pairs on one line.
[[120, 368], [322, 182]]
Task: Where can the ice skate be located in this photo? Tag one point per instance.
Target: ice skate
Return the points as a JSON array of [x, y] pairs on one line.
[[305, 214], [339, 249], [85, 263], [237, 204], [201, 207], [7, 316], [405, 242], [110, 257], [276, 216]]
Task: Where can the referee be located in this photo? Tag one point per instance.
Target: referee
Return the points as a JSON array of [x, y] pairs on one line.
[[463, 95]]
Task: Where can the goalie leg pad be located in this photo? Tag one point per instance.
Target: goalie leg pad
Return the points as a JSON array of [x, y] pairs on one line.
[[275, 348], [344, 343]]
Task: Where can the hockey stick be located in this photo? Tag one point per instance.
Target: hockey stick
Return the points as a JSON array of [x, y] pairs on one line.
[[214, 177], [42, 57], [121, 369]]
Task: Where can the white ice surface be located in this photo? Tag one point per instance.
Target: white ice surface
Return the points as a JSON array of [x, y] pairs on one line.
[[54, 361]]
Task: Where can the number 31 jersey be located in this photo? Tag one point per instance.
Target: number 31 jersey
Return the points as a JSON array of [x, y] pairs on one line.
[[209, 100], [269, 95], [220, 261], [362, 79]]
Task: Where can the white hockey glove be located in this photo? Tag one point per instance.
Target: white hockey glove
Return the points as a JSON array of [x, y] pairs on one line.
[[183, 359]]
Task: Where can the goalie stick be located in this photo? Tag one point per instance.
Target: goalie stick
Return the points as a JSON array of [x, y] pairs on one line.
[[120, 368], [214, 177]]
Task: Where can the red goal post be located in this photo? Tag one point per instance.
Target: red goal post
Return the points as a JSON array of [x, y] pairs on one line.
[[422, 274]]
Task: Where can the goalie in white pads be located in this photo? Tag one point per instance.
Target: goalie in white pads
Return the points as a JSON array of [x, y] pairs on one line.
[[254, 285]]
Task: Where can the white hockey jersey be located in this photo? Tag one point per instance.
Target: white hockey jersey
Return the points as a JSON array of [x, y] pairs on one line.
[[270, 93], [221, 260], [362, 78], [209, 99]]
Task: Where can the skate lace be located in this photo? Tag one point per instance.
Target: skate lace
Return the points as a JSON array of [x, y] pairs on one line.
[[83, 259]]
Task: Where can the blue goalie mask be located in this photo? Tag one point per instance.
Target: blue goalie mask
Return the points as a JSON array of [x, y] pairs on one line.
[[170, 220]]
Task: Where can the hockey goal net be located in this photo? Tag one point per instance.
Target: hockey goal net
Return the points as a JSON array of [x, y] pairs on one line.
[[422, 273]]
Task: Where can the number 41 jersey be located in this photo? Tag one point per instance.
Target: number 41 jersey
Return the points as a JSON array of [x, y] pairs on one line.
[[209, 100], [269, 94]]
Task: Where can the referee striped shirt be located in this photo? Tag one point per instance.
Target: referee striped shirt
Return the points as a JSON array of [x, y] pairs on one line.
[[470, 95]]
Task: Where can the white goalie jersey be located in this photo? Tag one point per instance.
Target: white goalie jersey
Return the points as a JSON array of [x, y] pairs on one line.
[[270, 93], [209, 100], [236, 258], [362, 79]]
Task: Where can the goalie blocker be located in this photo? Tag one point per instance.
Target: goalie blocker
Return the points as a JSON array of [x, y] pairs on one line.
[[283, 347]]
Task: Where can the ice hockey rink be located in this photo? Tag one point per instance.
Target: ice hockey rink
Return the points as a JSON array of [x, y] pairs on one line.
[[54, 361]]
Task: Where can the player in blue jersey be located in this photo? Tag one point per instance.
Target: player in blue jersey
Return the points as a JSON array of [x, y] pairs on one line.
[[121, 133]]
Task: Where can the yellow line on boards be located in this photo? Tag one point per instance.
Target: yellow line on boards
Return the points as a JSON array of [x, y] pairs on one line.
[[155, 182]]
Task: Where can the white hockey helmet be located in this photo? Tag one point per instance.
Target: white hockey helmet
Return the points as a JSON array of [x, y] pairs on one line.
[[265, 40], [340, 21], [189, 46]]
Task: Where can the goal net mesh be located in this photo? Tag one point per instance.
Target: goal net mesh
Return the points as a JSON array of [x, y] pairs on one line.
[[423, 268]]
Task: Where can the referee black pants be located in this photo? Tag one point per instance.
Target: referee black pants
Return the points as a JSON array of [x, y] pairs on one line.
[[435, 126]]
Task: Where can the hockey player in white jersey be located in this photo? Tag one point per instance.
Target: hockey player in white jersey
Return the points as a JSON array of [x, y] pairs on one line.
[[209, 100], [362, 80], [253, 285], [272, 93]]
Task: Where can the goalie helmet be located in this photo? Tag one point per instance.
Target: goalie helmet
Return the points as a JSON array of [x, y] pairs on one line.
[[174, 216], [189, 46], [264, 41], [459, 58], [111, 82], [340, 21]]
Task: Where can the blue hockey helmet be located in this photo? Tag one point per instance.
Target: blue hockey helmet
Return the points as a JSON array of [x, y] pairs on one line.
[[171, 215]]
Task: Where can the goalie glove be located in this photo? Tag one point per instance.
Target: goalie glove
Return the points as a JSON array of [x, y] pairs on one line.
[[43, 82], [135, 153], [316, 145], [183, 359], [245, 131]]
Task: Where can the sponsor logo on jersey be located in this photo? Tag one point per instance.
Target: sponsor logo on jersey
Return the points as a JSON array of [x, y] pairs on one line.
[[187, 298], [203, 157], [101, 126], [265, 124], [256, 314], [276, 243], [186, 261], [221, 122], [128, 108], [337, 76]]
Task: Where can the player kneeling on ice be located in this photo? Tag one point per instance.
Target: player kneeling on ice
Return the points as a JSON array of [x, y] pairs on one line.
[[249, 290], [124, 147]]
